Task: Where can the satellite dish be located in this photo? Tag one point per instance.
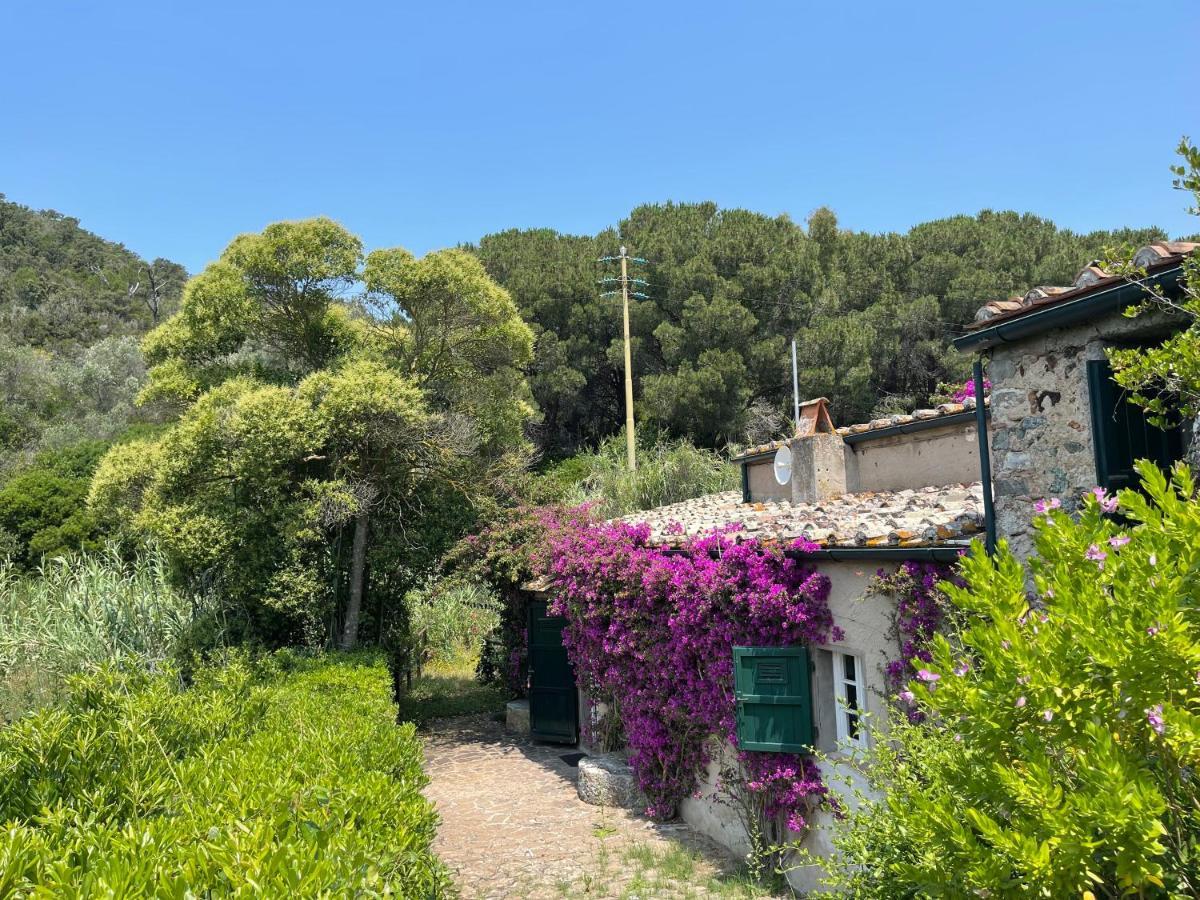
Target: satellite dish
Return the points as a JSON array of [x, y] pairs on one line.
[[783, 465]]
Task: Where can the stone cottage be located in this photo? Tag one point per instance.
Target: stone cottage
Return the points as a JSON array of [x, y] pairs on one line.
[[871, 496], [1059, 424]]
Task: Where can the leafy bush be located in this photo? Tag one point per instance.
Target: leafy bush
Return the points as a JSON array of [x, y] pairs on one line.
[[451, 617], [667, 472], [78, 612], [1059, 732], [283, 778], [43, 507]]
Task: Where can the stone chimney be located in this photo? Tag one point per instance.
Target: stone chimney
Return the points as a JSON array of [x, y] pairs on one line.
[[818, 455]]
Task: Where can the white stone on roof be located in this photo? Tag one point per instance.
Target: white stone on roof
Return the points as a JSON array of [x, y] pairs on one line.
[[924, 517]]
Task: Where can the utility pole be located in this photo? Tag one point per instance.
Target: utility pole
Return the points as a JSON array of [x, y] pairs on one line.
[[625, 259]]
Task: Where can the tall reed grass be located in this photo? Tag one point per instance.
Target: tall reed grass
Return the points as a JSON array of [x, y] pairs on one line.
[[667, 472], [77, 612]]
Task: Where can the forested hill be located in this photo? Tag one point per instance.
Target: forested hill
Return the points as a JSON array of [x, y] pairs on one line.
[[63, 288], [73, 307], [874, 313]]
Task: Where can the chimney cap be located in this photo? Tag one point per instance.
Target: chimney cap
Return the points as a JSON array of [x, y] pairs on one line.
[[815, 418]]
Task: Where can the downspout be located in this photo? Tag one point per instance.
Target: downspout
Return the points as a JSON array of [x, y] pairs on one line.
[[985, 461]]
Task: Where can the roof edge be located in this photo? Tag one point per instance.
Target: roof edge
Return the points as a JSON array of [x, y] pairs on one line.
[[1068, 312]]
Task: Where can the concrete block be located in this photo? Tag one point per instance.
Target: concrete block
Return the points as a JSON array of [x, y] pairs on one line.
[[516, 716]]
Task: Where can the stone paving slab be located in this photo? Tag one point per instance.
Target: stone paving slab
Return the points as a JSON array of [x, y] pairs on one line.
[[513, 825]]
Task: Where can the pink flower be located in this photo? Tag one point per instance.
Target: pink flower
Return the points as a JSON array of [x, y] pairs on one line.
[[1096, 555], [1047, 714], [926, 675], [1004, 644], [1107, 502], [1155, 717], [958, 739], [1153, 630], [1044, 506], [908, 696], [1020, 701], [1118, 541], [962, 669]]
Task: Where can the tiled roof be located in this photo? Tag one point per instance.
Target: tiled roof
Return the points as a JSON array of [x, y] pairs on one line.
[[931, 516], [920, 415], [1153, 257]]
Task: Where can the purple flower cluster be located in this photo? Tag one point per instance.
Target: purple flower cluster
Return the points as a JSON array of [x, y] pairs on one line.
[[920, 610], [967, 391], [651, 632]]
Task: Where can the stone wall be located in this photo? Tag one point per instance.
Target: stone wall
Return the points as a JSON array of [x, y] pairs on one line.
[[1040, 429]]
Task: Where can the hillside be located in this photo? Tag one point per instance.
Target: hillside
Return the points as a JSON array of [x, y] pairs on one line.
[[72, 308], [726, 290], [62, 287]]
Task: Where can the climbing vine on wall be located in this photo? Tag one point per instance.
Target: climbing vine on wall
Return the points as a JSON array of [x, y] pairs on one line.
[[651, 633], [921, 610]]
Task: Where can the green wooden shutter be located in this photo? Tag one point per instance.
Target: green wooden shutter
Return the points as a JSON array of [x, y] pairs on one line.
[[773, 689], [1121, 434]]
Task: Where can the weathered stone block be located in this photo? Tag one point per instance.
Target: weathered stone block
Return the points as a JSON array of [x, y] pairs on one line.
[[607, 780], [516, 716]]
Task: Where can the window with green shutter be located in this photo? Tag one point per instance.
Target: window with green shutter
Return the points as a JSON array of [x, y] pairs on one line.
[[1120, 433], [773, 689]]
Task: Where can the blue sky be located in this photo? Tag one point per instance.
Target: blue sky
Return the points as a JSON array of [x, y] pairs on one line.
[[172, 127]]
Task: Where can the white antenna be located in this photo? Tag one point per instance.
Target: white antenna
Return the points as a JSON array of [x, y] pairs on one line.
[[783, 465], [795, 389]]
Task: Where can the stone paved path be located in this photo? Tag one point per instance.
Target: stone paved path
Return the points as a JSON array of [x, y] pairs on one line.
[[513, 826]]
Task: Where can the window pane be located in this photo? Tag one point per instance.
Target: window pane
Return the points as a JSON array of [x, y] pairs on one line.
[[852, 726], [848, 667], [851, 696]]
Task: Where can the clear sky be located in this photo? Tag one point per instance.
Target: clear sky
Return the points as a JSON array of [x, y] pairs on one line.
[[173, 126]]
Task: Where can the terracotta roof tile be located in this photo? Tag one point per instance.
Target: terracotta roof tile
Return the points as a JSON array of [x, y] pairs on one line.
[[1161, 254], [922, 517]]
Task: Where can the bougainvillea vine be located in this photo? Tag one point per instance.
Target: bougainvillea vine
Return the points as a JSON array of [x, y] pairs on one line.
[[651, 631]]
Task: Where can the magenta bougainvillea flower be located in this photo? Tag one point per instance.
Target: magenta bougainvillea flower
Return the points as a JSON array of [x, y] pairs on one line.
[[1108, 502], [651, 631]]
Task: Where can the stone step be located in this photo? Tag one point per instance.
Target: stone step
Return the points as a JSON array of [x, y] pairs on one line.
[[516, 716], [607, 780]]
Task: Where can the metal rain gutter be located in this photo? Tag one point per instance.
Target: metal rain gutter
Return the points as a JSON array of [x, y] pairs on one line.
[[985, 461], [1070, 312]]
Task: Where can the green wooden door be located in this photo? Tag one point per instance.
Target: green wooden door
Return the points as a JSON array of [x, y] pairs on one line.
[[553, 700]]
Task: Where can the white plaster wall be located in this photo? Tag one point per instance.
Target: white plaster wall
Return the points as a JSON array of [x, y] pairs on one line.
[[867, 620]]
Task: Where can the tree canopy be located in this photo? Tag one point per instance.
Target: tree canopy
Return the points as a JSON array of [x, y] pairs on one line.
[[318, 389], [873, 314]]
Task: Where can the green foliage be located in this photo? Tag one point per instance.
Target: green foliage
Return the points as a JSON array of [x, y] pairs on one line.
[[447, 688], [314, 436], [668, 471], [451, 617], [1060, 739], [43, 507], [139, 788], [1166, 379], [63, 288], [79, 612], [873, 314]]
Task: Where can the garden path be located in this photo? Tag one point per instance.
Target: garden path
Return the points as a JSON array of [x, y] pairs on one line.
[[513, 826]]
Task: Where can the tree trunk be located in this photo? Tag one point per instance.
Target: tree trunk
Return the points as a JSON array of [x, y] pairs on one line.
[[358, 565]]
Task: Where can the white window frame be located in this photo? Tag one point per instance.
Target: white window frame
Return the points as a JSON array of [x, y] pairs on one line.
[[842, 711]]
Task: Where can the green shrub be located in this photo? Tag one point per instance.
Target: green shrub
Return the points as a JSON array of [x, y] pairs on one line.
[[1061, 729], [667, 472], [285, 778], [77, 612], [451, 617]]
